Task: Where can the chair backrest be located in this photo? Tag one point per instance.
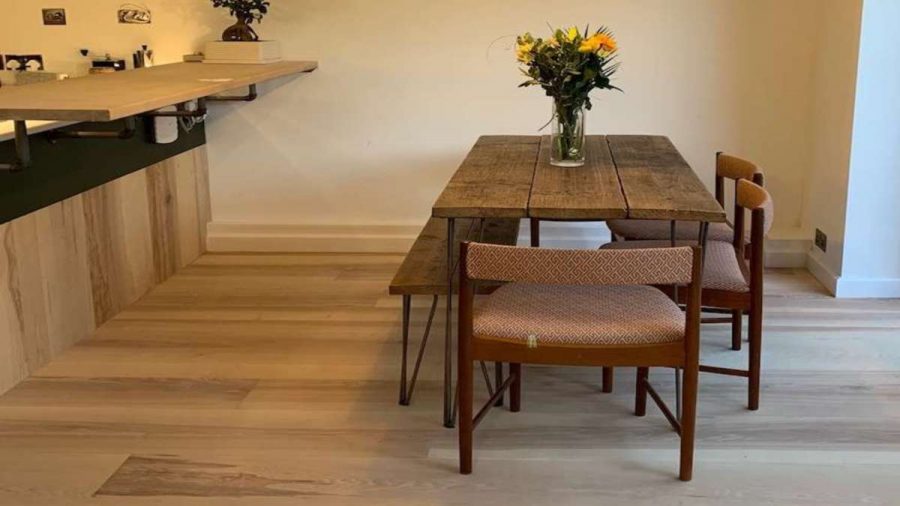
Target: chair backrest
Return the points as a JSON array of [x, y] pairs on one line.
[[732, 167], [755, 198], [735, 169], [662, 266]]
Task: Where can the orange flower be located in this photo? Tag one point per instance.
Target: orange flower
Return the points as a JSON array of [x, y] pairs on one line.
[[600, 43]]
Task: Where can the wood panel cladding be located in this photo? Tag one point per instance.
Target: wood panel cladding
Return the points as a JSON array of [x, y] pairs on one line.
[[70, 267]]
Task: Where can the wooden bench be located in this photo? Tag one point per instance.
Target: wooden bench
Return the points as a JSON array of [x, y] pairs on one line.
[[424, 272]]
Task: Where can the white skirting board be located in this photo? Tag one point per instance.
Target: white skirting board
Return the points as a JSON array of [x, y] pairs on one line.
[[255, 238], [846, 287]]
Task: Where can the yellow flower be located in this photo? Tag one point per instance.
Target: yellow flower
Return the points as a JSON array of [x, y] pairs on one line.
[[553, 42], [572, 34], [523, 52], [524, 46]]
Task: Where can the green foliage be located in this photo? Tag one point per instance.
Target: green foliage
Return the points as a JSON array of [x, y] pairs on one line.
[[569, 65], [250, 10]]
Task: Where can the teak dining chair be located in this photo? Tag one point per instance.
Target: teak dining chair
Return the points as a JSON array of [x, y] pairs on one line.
[[579, 308], [728, 168], [730, 281]]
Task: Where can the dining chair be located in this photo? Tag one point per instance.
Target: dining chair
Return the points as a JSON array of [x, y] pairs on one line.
[[731, 281], [579, 308], [728, 169]]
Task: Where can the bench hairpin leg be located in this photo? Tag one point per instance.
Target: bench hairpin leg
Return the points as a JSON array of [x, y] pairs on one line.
[[415, 374], [487, 378], [498, 380], [449, 415], [404, 396], [678, 393]]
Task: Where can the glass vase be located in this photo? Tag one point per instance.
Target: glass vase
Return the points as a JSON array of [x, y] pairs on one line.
[[567, 139]]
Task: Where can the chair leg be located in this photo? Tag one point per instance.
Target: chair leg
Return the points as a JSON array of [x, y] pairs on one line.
[[755, 329], [608, 379], [466, 400], [515, 389], [535, 233], [737, 322], [640, 397], [688, 423]]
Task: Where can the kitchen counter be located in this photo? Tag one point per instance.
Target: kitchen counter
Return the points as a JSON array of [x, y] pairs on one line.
[[108, 97]]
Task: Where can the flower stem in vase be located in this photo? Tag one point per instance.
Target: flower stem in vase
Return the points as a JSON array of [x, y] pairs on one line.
[[567, 139]]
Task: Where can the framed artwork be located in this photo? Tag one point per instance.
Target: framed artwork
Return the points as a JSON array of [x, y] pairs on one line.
[[54, 17], [23, 62], [134, 14]]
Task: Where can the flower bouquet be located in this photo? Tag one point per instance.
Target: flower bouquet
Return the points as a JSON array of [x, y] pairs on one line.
[[568, 66]]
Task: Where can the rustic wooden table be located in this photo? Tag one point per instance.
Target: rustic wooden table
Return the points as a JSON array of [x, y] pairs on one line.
[[625, 176]]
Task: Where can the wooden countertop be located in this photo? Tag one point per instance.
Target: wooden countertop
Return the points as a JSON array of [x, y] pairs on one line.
[[108, 97]]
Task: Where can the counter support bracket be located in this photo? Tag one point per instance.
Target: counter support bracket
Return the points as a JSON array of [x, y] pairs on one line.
[[251, 95], [127, 132], [23, 149], [182, 111]]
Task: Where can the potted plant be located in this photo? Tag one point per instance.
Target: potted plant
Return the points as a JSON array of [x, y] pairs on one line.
[[568, 66], [246, 12]]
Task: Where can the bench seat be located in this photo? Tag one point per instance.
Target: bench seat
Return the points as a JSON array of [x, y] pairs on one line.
[[424, 270]]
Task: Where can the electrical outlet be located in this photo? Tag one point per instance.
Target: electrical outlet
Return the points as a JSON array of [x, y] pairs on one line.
[[821, 240]]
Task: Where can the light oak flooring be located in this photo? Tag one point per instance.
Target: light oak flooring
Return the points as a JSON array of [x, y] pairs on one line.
[[271, 380]]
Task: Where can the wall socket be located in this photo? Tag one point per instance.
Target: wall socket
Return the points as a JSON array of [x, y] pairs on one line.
[[821, 240]]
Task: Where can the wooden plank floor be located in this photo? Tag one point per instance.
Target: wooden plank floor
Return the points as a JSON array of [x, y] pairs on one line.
[[271, 380]]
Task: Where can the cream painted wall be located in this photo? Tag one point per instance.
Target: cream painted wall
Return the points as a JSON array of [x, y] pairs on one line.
[[834, 95], [405, 87]]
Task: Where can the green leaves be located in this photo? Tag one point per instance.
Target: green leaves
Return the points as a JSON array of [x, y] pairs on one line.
[[250, 10]]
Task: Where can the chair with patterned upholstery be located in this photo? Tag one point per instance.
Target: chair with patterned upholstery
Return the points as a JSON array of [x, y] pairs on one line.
[[727, 168], [579, 308], [730, 280]]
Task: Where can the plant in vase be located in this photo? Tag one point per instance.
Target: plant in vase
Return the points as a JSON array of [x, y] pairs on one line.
[[568, 66], [246, 12]]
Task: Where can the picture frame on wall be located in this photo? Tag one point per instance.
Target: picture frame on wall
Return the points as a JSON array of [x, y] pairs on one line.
[[134, 14], [54, 17], [23, 62]]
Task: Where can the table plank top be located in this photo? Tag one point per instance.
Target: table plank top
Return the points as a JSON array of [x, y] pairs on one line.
[[591, 192], [658, 183], [494, 181], [633, 176], [108, 97]]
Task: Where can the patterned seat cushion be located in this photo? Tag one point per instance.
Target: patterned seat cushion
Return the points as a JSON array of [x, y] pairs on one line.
[[661, 229], [721, 270], [565, 315]]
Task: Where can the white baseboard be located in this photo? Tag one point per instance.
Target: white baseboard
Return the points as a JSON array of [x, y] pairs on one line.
[[822, 273], [844, 287], [226, 237], [255, 238], [787, 253], [867, 288]]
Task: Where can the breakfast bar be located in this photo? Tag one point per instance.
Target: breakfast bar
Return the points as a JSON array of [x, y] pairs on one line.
[[93, 199]]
